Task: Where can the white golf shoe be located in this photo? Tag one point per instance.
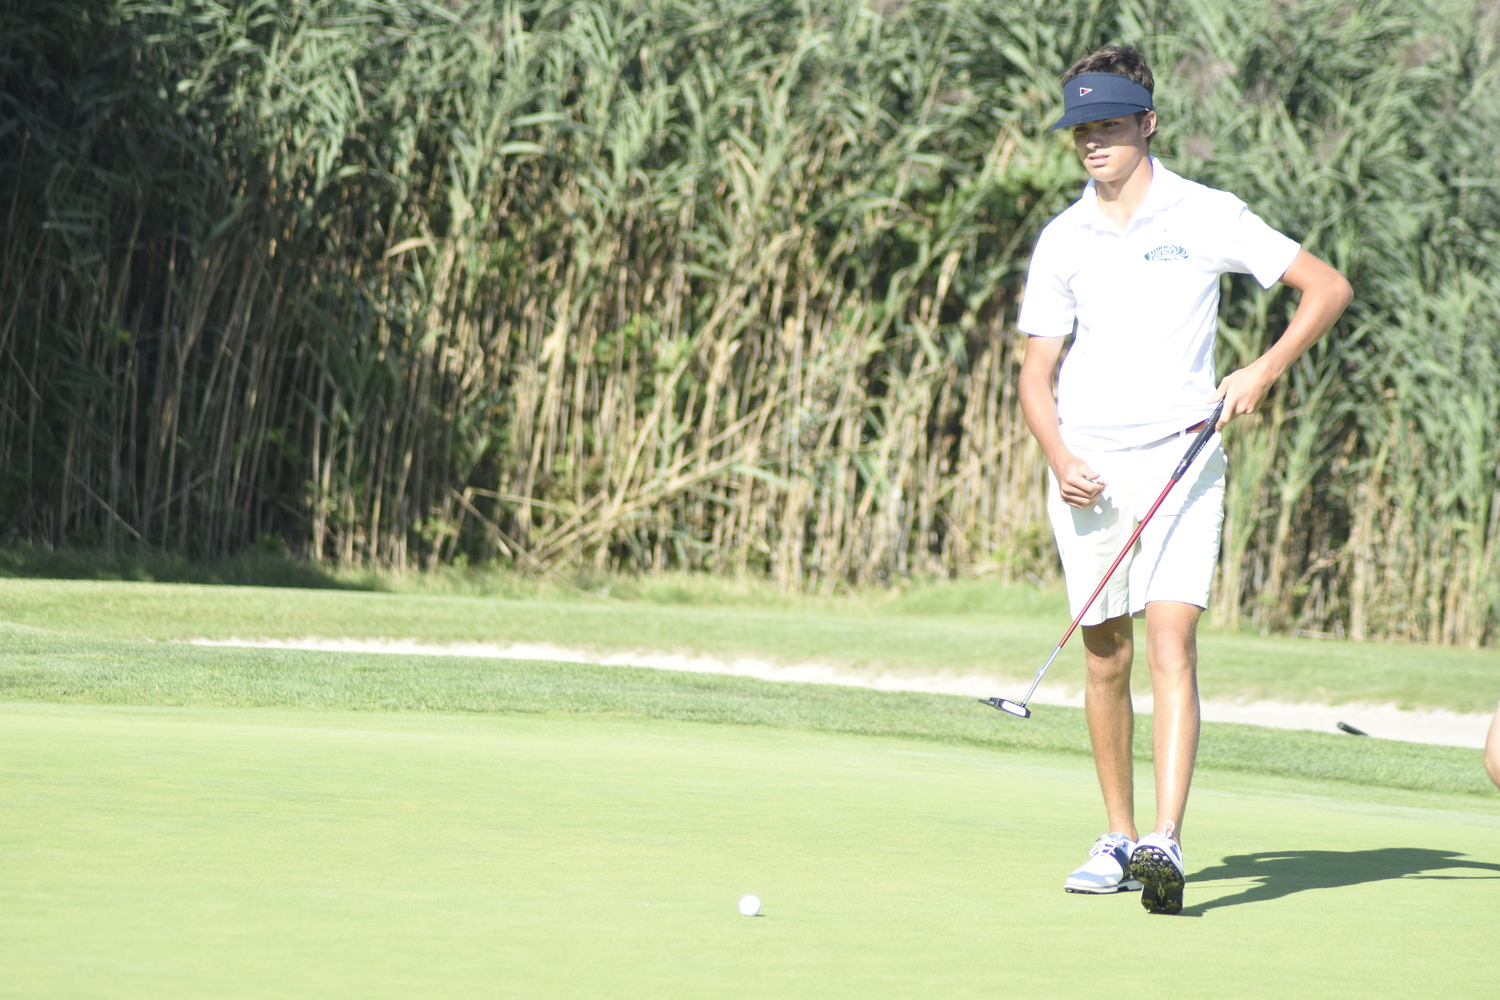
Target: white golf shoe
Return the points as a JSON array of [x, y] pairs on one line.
[[1157, 864], [1105, 870]]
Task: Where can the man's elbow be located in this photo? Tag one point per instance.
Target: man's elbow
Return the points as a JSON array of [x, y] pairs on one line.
[[1332, 288], [1342, 292], [1492, 749]]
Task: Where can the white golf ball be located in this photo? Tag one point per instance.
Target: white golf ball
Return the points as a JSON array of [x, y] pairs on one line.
[[749, 905]]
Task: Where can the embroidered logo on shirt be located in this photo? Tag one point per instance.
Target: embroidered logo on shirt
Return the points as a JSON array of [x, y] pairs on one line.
[[1167, 251], [1085, 90]]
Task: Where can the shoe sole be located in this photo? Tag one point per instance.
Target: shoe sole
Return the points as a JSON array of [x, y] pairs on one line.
[[1129, 885], [1161, 881]]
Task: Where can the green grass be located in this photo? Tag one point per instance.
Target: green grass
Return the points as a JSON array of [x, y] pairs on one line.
[[261, 567], [969, 627], [186, 821], [48, 667], [189, 852], [271, 566]]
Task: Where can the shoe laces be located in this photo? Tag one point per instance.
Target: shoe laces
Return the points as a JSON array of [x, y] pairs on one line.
[[1172, 843], [1107, 844]]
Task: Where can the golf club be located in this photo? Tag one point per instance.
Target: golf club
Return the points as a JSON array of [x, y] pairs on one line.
[[1018, 708]]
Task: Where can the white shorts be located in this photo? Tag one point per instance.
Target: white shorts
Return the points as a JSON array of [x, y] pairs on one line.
[[1175, 556]]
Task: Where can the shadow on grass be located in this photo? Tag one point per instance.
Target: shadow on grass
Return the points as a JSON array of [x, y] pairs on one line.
[[269, 564], [254, 568], [1282, 873]]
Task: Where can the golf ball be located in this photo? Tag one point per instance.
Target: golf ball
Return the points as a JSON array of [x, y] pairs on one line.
[[749, 905]]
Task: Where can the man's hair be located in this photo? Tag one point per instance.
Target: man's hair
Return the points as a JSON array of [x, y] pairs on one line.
[[1122, 60]]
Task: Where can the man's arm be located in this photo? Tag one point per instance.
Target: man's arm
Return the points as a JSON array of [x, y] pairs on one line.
[[1081, 486], [1492, 749], [1325, 293]]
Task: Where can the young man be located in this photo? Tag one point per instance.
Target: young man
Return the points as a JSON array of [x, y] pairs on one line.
[[1131, 272], [1492, 750]]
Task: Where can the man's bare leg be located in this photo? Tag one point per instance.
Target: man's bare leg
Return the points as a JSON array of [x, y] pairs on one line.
[[1108, 650], [1172, 653]]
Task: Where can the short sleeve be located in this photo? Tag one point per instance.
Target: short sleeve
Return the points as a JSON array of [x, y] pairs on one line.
[[1048, 308], [1249, 246]]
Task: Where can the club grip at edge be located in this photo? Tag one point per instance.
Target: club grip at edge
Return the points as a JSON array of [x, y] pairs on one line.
[[1199, 442]]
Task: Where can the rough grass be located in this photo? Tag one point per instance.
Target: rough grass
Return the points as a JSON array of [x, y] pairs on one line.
[[47, 667], [269, 566], [967, 627]]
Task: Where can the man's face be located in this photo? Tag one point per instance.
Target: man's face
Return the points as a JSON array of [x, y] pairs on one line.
[[1112, 148]]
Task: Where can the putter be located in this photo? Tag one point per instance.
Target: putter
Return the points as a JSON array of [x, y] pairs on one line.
[[1018, 708]]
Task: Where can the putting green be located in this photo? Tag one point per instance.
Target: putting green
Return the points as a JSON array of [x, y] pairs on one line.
[[192, 852]]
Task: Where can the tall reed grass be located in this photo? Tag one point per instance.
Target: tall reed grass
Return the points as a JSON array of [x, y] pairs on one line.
[[715, 284]]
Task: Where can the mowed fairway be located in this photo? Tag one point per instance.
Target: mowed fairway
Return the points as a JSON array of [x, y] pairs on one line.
[[199, 851]]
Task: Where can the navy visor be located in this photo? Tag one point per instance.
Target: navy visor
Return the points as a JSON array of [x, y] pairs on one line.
[[1094, 97]]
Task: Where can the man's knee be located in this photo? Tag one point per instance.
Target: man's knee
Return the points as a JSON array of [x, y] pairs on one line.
[[1112, 639], [1112, 672], [1173, 659], [1110, 648], [1172, 638]]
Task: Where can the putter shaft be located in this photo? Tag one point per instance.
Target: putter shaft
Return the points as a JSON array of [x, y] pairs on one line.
[[1043, 672]]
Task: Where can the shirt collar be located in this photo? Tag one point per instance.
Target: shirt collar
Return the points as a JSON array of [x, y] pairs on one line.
[[1167, 189]]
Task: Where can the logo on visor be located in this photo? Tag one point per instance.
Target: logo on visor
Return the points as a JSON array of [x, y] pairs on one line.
[[1085, 90], [1167, 251]]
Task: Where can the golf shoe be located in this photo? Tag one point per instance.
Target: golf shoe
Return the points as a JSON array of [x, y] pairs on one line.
[[1156, 863], [1104, 871]]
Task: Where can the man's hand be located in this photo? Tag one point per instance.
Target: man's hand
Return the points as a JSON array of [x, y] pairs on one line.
[[1242, 391], [1325, 293], [1080, 485]]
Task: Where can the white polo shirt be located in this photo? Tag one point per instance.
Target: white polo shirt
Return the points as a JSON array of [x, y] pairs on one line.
[[1143, 306]]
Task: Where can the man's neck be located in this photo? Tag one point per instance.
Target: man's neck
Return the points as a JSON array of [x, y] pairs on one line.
[[1118, 200]]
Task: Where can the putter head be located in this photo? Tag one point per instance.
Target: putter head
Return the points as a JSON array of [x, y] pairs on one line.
[[1005, 705]]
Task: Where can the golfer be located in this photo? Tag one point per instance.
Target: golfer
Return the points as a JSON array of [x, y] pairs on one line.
[[1131, 272], [1492, 750]]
